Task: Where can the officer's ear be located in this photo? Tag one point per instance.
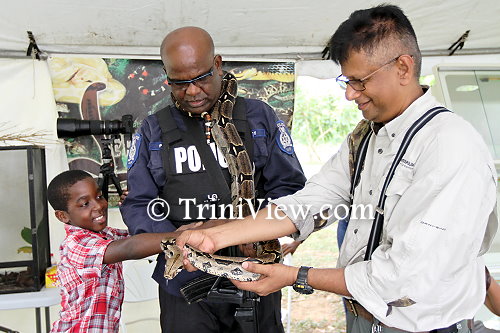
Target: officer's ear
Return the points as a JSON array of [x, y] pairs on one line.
[[218, 64]]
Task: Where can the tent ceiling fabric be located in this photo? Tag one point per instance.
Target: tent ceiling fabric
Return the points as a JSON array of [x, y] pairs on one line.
[[294, 29]]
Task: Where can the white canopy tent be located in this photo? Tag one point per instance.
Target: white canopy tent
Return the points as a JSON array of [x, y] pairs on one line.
[[246, 30]]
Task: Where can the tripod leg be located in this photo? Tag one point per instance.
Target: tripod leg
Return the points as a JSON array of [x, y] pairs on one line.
[[104, 186], [116, 182]]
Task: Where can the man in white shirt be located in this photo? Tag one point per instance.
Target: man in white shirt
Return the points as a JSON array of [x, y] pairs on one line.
[[426, 273]]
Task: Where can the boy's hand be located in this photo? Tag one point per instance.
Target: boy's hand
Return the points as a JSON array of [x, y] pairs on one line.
[[290, 248]]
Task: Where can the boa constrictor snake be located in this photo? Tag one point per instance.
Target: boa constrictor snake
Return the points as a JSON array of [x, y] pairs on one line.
[[242, 189]]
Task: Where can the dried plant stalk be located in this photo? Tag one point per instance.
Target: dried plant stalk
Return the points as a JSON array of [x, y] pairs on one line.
[[9, 132]]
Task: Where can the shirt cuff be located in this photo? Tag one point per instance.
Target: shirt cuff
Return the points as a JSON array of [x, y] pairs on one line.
[[356, 278]]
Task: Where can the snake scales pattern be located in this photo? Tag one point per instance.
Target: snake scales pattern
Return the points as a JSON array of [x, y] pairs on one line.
[[242, 189]]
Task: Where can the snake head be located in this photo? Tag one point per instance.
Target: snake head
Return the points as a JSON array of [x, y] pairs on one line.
[[173, 258]]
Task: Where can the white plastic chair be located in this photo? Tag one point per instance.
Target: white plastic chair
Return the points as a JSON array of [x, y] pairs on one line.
[[139, 287]]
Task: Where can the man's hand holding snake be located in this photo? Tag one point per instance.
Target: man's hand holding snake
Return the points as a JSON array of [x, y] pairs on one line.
[[197, 238], [273, 278]]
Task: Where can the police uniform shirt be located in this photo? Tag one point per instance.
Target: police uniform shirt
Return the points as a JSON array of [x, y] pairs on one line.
[[273, 155], [439, 218]]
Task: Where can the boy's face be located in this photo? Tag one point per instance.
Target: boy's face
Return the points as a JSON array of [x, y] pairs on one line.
[[87, 208]]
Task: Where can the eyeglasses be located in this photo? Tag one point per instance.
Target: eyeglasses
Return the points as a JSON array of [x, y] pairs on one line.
[[197, 81], [359, 85]]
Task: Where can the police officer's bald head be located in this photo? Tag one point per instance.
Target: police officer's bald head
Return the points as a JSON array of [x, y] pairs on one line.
[[186, 41], [193, 71]]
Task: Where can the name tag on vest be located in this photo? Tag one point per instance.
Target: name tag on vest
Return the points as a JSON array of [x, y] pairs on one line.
[[187, 159]]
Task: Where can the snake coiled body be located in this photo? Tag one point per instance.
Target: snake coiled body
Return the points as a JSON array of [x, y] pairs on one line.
[[228, 267]]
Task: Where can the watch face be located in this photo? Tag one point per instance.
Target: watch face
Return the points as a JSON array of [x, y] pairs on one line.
[[303, 289], [301, 285]]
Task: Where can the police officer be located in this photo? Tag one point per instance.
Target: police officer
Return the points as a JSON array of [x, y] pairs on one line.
[[175, 164]]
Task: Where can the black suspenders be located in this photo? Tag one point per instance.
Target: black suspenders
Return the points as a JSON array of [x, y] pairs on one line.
[[378, 221]]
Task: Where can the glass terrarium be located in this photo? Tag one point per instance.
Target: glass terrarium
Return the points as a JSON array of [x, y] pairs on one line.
[[24, 231]]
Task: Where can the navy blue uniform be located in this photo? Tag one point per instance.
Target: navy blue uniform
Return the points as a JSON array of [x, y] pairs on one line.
[[273, 156]]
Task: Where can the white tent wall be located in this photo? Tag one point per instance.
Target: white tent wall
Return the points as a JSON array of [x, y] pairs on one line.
[[27, 105]]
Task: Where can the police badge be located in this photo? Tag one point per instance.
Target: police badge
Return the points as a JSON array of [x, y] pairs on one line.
[[134, 150], [283, 138]]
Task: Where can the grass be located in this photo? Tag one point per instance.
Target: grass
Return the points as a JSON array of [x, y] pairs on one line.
[[320, 312]]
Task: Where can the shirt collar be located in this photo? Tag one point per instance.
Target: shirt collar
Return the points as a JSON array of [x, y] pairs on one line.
[[416, 109], [71, 229]]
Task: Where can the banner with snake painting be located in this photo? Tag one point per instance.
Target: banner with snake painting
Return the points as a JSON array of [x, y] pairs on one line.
[[109, 88]]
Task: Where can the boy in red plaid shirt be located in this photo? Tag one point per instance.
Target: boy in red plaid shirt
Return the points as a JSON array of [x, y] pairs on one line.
[[90, 269]]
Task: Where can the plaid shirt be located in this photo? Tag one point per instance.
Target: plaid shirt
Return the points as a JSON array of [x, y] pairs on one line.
[[92, 292]]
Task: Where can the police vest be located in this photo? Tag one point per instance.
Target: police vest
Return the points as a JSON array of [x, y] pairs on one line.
[[197, 179]]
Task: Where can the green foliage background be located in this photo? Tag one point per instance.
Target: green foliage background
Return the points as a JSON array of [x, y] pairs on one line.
[[322, 118]]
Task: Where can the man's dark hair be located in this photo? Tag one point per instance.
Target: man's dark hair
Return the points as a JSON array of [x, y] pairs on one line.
[[367, 30], [57, 191]]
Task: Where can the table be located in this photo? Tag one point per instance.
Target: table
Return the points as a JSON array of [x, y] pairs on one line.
[[37, 299]]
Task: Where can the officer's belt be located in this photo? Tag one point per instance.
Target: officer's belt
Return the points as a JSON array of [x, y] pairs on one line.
[[358, 310]]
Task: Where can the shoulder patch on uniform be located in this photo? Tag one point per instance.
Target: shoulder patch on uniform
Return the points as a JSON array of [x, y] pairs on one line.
[[283, 138], [134, 150]]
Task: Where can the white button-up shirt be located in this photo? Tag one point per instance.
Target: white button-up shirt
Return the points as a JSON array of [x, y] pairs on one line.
[[439, 218]]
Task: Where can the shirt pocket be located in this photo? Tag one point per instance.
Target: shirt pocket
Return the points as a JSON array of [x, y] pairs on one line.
[[260, 152], [260, 144], [396, 189], [155, 160], [155, 166]]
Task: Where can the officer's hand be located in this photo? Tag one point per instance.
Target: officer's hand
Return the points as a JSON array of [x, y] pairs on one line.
[[122, 197], [290, 248], [273, 278]]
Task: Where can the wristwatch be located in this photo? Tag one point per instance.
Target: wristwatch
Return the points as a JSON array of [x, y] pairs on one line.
[[300, 284]]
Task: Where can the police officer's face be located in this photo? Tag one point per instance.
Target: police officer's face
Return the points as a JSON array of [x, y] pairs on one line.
[[205, 74]]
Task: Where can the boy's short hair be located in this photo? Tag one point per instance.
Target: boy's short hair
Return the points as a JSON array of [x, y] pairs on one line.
[[57, 191]]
